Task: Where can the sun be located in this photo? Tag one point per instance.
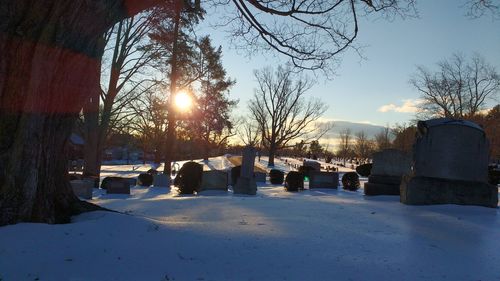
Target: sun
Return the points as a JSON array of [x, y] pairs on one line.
[[182, 101]]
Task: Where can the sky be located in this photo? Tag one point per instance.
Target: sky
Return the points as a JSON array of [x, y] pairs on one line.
[[375, 89]]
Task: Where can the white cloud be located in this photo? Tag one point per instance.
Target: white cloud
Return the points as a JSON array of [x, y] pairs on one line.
[[408, 106]]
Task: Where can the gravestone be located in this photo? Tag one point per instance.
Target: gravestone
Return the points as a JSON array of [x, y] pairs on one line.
[[276, 176], [92, 178], [118, 186], [161, 180], [246, 182], [350, 181], [388, 168], [214, 180], [131, 181], [294, 181], [260, 176], [323, 179], [145, 179], [307, 170], [189, 177], [450, 166], [313, 164], [82, 188]]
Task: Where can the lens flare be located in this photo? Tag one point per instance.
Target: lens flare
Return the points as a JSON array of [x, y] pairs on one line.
[[183, 101]]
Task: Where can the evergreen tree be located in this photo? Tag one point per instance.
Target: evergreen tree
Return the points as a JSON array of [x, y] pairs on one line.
[[211, 117]]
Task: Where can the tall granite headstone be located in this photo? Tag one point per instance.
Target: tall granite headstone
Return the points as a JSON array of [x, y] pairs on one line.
[[450, 165], [246, 182], [388, 168]]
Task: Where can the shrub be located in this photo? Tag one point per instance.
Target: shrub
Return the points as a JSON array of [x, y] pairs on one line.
[[294, 181], [276, 176], [235, 174], [364, 170], [189, 177], [145, 179], [350, 181]]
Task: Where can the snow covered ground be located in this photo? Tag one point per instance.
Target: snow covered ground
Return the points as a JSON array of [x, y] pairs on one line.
[[276, 235]]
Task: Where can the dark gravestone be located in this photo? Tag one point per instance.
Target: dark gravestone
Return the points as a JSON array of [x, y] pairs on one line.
[[276, 176], [161, 180], [259, 176], [117, 185], [364, 170], [107, 180], [131, 181], [323, 180], [350, 181], [313, 164], [306, 170], [188, 179], [152, 172], [214, 180], [145, 179], [294, 181], [450, 166], [93, 178], [389, 166], [246, 182], [82, 188]]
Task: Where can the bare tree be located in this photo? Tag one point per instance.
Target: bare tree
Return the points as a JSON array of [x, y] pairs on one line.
[[383, 139], [479, 8], [248, 131], [345, 145], [125, 59], [490, 121], [363, 147], [404, 137], [459, 89], [292, 28], [149, 123], [280, 109]]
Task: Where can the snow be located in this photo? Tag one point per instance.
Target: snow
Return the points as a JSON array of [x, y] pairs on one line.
[[312, 235]]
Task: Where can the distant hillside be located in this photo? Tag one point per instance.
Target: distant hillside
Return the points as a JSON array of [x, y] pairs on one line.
[[338, 126], [331, 140]]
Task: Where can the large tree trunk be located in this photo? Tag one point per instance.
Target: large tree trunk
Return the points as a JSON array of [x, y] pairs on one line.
[[171, 137], [92, 150], [272, 152], [48, 65]]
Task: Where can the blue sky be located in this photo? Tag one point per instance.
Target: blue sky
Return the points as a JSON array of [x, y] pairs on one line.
[[364, 87]]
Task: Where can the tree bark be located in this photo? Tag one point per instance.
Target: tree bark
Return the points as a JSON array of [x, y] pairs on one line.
[[171, 137], [49, 64], [272, 152], [92, 151]]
